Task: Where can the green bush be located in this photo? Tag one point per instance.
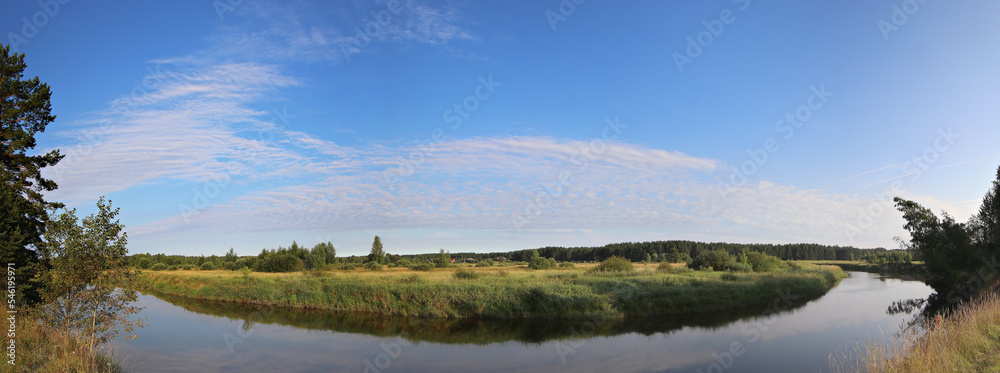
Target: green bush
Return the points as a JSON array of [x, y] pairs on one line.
[[279, 263], [187, 267], [741, 267], [412, 279], [245, 262], [484, 263], [347, 266], [158, 267], [615, 264], [541, 263], [373, 266], [207, 266], [567, 265], [717, 260], [404, 263], [172, 268], [229, 266], [465, 274], [422, 267], [762, 262], [245, 271], [664, 268], [144, 263]]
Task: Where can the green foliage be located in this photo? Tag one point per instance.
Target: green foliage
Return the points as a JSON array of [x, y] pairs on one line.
[[717, 260], [615, 264], [373, 266], [207, 266], [664, 268], [730, 276], [485, 263], [954, 253], [566, 265], [422, 267], [246, 262], [564, 295], [88, 284], [764, 263], [144, 263], [172, 268], [159, 267], [25, 110], [465, 274], [443, 260], [404, 263], [741, 267], [377, 254], [279, 263], [187, 267], [245, 272], [538, 262]]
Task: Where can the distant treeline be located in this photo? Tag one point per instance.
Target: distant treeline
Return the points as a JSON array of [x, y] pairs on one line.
[[683, 251], [296, 258]]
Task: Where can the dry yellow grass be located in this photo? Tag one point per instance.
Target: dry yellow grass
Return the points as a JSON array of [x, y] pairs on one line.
[[966, 341]]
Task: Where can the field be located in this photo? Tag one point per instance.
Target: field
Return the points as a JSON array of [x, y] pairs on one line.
[[501, 291]]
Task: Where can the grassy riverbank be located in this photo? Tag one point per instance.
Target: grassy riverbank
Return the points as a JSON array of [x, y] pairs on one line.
[[968, 340], [40, 348], [500, 292]]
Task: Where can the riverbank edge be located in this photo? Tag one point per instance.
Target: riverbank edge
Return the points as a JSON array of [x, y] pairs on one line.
[[905, 271], [569, 296], [40, 348]]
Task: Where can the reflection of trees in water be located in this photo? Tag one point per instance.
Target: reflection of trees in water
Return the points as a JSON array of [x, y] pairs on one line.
[[469, 331], [906, 306], [923, 310]]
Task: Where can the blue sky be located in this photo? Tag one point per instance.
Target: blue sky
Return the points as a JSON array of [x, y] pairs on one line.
[[474, 126]]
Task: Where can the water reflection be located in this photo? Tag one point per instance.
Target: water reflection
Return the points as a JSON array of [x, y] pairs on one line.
[[471, 331], [188, 335]]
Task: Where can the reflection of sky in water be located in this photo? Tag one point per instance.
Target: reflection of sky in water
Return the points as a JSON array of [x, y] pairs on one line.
[[802, 340]]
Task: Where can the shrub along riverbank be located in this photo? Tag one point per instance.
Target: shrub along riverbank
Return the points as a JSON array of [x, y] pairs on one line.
[[507, 292], [41, 348]]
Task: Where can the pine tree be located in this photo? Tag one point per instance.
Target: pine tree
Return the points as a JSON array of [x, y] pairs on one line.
[[25, 110]]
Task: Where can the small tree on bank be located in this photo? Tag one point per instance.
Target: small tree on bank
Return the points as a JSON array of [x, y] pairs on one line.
[[378, 254], [89, 284]]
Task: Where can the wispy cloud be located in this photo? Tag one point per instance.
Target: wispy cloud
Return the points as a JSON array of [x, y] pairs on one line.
[[323, 32]]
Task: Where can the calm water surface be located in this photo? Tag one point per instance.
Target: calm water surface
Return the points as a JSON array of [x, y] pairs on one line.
[[793, 335]]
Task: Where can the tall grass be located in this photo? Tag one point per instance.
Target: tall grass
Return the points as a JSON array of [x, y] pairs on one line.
[[968, 340], [41, 348], [498, 293]]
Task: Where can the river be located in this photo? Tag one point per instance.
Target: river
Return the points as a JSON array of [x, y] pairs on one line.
[[790, 335]]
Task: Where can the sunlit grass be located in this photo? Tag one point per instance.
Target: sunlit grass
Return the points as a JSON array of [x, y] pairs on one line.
[[500, 291], [41, 348], [968, 340]]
